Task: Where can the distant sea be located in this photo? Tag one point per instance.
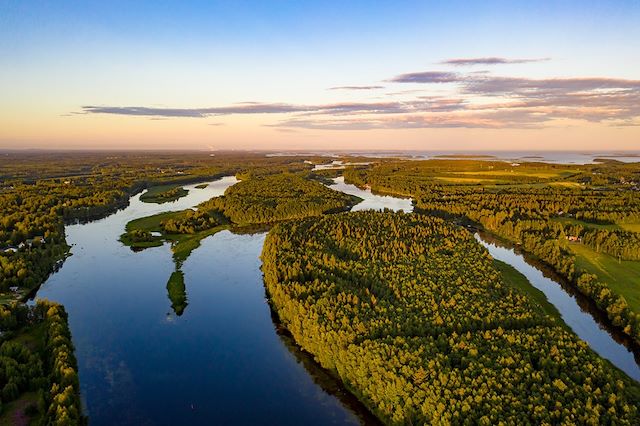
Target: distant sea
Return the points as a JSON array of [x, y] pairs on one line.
[[560, 157]]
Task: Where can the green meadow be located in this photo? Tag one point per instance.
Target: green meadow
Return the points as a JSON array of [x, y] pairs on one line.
[[623, 277]]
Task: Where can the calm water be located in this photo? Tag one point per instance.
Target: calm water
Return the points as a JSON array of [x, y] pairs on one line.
[[578, 319], [221, 362], [337, 165], [372, 201]]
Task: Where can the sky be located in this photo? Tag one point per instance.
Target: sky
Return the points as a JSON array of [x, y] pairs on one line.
[[296, 75]]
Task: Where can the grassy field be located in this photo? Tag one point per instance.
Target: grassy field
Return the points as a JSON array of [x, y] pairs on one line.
[[633, 227], [17, 412], [14, 412], [163, 193], [512, 277], [468, 180], [572, 221], [182, 244], [622, 277], [566, 184], [151, 223], [522, 171], [505, 177]]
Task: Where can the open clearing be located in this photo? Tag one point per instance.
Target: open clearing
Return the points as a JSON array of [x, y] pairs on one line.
[[622, 277]]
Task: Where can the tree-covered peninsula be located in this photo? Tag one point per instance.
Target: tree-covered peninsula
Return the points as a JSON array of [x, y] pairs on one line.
[[411, 314], [262, 198], [582, 220], [163, 194]]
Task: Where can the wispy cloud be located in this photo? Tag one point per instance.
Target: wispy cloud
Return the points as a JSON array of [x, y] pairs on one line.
[[491, 60], [263, 108], [413, 121], [245, 108], [427, 77], [473, 100], [356, 87]]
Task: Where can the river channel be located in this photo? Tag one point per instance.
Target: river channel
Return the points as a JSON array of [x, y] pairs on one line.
[[223, 361]]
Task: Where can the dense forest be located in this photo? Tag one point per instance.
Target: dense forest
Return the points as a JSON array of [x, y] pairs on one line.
[[541, 207], [190, 222], [37, 365], [407, 309], [275, 197], [39, 193], [411, 314], [163, 194], [266, 195]]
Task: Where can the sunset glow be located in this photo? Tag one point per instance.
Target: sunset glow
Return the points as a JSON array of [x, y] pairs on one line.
[[258, 75]]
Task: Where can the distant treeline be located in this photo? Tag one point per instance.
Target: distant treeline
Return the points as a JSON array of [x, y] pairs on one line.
[[40, 193]]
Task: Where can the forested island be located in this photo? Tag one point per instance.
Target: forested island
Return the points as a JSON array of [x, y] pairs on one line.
[[163, 194], [263, 197]]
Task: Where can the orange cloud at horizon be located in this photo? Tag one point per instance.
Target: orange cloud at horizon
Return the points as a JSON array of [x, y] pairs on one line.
[[117, 132]]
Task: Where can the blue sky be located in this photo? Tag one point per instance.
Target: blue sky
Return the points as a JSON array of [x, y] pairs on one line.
[[131, 74]]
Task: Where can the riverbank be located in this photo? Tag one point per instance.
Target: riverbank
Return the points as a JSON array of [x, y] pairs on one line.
[[578, 312], [134, 371], [383, 298], [585, 315]]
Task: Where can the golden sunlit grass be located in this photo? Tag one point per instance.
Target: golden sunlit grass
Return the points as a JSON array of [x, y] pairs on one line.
[[469, 180], [526, 172], [623, 277]]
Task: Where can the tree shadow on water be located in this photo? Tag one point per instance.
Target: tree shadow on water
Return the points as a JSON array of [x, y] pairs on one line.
[[177, 292]]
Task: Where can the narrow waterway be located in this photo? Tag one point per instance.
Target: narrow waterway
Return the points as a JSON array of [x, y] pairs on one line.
[[221, 362], [579, 318], [371, 201], [588, 323]]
